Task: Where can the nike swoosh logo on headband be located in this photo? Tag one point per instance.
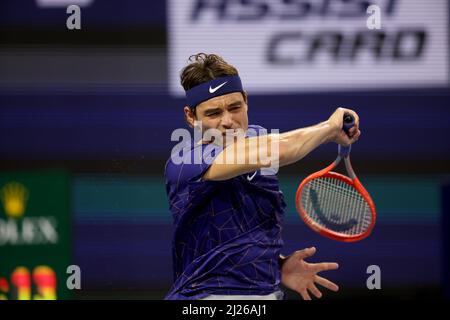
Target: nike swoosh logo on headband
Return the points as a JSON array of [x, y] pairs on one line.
[[212, 90]]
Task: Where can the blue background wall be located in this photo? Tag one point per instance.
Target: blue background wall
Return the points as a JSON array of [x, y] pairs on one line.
[[96, 104]]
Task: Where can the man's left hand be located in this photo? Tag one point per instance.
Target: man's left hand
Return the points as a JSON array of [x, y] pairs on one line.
[[301, 276]]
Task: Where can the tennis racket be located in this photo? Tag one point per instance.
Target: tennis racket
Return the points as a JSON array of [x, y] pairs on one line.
[[334, 205]]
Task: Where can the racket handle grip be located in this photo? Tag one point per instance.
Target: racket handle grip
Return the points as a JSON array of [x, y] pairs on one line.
[[349, 122]]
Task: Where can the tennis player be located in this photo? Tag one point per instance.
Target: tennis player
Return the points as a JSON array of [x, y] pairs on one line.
[[227, 215]]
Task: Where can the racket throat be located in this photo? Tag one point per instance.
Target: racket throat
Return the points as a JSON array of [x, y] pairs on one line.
[[349, 168]]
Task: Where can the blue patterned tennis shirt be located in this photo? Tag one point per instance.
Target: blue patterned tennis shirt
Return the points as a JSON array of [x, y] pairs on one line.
[[227, 234]]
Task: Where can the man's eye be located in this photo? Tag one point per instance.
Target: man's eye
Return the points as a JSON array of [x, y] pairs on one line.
[[213, 114], [235, 108]]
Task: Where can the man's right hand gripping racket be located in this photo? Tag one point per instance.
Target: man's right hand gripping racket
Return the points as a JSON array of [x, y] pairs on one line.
[[334, 205]]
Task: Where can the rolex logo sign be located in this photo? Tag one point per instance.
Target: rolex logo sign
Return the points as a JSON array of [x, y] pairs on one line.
[[20, 224], [14, 198], [35, 229]]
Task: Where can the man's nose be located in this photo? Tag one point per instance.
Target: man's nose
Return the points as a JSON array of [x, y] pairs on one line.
[[227, 121]]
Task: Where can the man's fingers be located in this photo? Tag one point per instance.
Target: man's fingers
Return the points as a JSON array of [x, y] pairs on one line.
[[351, 112], [352, 137], [355, 116], [353, 130], [326, 283], [315, 291], [356, 136], [305, 253], [324, 266], [305, 295]]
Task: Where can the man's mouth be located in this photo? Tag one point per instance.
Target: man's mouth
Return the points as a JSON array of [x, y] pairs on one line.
[[230, 134], [233, 133]]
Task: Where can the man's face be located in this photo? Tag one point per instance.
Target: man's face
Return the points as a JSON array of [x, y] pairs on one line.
[[222, 113]]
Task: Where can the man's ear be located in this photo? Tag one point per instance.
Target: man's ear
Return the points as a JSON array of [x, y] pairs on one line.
[[245, 96], [189, 115]]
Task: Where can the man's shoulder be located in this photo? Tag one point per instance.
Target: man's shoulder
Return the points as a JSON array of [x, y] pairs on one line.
[[185, 162], [256, 127], [255, 130]]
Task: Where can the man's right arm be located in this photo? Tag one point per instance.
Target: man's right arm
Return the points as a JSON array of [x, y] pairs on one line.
[[292, 146]]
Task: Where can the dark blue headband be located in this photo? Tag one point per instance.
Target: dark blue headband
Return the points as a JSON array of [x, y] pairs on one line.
[[213, 88]]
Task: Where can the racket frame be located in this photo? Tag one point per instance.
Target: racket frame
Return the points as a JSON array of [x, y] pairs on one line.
[[353, 181]]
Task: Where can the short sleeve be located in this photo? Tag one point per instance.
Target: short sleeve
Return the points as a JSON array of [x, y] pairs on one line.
[[185, 178]]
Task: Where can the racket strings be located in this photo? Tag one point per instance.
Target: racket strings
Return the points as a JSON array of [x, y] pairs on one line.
[[336, 205]]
